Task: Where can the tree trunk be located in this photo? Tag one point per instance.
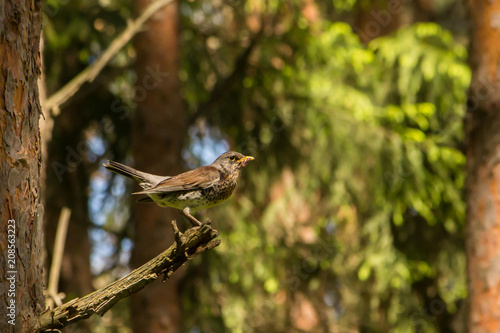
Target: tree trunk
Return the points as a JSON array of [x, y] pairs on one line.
[[21, 235], [483, 168], [66, 185], [158, 131]]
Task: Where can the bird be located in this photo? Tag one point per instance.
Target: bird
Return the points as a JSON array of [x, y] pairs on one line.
[[190, 191]]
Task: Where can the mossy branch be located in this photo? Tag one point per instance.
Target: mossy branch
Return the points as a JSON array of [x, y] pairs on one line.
[[187, 245]]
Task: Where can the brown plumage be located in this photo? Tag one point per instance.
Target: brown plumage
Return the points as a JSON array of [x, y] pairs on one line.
[[190, 191]]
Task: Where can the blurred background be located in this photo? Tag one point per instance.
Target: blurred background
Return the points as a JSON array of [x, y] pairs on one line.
[[350, 219]]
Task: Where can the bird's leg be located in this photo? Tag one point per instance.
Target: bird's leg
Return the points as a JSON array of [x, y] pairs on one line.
[[190, 217]]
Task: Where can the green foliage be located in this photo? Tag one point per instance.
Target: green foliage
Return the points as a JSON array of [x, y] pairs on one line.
[[351, 217], [365, 161], [77, 32]]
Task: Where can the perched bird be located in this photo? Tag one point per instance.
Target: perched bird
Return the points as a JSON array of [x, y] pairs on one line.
[[190, 191]]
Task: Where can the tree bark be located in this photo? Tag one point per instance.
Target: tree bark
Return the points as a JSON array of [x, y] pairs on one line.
[[483, 168], [158, 130], [21, 235]]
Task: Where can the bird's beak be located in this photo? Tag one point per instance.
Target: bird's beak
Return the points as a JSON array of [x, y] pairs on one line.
[[245, 159]]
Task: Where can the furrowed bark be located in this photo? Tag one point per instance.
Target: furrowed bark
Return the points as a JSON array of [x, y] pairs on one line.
[[21, 235]]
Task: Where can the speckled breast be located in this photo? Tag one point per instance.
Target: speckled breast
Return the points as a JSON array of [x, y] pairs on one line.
[[220, 191]]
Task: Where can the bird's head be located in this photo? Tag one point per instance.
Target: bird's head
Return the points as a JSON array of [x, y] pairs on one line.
[[232, 161]]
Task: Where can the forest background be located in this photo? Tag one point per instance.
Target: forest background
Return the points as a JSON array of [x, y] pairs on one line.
[[352, 218]]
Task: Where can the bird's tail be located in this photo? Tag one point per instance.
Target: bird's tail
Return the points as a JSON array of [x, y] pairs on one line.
[[146, 180]]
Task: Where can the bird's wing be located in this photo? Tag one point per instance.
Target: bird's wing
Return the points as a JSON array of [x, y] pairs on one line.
[[200, 178]]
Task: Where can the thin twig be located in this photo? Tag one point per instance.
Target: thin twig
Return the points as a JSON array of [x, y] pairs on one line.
[[186, 247], [55, 267], [90, 73]]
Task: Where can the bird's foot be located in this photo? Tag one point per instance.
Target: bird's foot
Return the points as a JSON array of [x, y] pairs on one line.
[[191, 218]]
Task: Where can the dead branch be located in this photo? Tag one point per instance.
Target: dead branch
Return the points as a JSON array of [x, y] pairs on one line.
[[55, 267], [90, 73], [187, 245]]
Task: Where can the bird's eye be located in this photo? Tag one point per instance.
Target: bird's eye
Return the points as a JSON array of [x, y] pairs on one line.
[[232, 158]]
